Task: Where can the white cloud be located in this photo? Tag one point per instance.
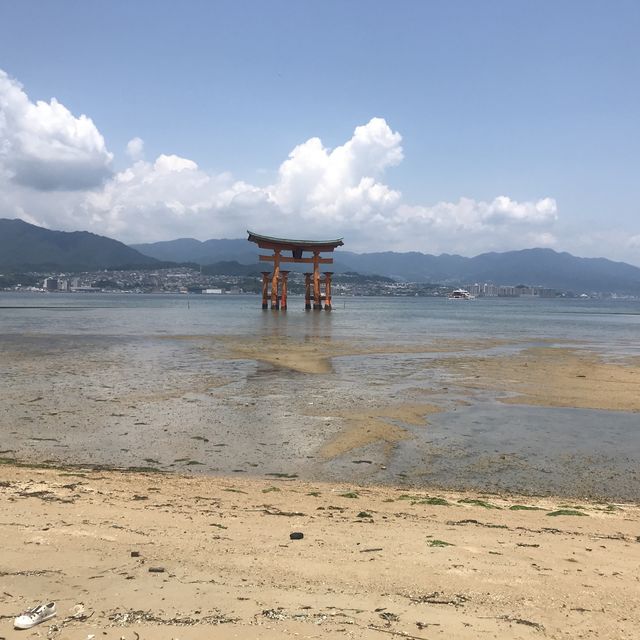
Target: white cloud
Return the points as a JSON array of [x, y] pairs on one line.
[[172, 198], [634, 242], [339, 185], [468, 215], [503, 210], [173, 164], [316, 192], [44, 146], [135, 148]]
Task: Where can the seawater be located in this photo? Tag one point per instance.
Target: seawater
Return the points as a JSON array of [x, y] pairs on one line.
[[612, 325], [113, 379]]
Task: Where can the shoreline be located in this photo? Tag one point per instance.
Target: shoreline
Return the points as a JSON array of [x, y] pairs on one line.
[[374, 561], [255, 476]]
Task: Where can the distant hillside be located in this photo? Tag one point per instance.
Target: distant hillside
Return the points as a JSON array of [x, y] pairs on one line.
[[207, 252], [212, 252], [26, 246], [543, 267], [232, 268], [411, 266], [557, 270]]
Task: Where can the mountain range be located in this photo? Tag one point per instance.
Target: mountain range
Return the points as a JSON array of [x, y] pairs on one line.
[[24, 246], [537, 267]]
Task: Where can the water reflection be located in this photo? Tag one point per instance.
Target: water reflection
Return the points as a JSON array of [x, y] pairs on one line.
[[307, 326]]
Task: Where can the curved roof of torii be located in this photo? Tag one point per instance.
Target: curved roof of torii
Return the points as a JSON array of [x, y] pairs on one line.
[[267, 242]]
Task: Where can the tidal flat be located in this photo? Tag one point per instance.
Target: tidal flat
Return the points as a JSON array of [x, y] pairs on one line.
[[308, 397]]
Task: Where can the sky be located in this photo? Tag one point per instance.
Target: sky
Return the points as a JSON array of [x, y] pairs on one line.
[[441, 126]]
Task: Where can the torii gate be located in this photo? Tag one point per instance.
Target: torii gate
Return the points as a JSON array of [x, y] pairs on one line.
[[279, 278]]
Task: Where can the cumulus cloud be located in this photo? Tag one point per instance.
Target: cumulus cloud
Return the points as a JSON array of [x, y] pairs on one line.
[[469, 215], [135, 148], [173, 164], [503, 210], [171, 198], [44, 146], [317, 191], [339, 185]]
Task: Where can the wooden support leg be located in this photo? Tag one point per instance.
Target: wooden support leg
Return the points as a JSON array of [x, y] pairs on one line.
[[275, 281], [265, 289], [307, 291], [316, 280], [327, 290], [283, 299]]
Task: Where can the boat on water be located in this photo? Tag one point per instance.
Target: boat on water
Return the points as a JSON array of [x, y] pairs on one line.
[[460, 294]]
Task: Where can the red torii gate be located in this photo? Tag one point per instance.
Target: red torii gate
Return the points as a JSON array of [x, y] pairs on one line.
[[278, 277]]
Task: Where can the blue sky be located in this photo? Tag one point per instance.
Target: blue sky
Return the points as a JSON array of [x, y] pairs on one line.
[[481, 125]]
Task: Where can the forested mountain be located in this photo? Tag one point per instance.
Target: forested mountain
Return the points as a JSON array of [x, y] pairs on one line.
[[28, 247], [207, 252], [540, 267], [543, 267]]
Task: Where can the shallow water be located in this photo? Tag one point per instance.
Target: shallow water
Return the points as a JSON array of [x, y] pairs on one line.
[[526, 449], [137, 380], [613, 324]]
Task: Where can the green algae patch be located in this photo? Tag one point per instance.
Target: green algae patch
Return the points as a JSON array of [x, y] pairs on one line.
[[566, 512], [434, 501], [610, 508], [439, 543]]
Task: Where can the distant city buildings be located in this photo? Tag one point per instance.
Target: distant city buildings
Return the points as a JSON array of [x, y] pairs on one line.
[[188, 280], [489, 290], [50, 284]]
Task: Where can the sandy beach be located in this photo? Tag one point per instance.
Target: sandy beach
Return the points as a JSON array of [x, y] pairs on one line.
[[164, 556]]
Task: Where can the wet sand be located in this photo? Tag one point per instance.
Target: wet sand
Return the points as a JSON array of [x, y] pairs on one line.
[[140, 555], [376, 425], [556, 377]]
